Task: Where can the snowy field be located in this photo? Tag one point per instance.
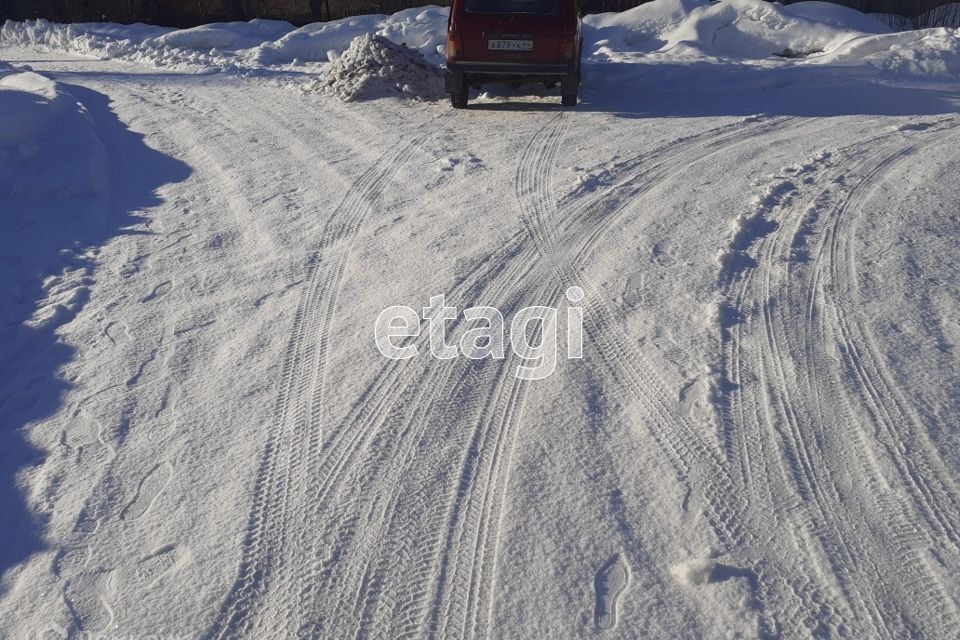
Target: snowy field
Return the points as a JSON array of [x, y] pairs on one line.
[[201, 439]]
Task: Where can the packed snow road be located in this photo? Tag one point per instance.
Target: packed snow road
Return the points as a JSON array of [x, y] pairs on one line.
[[759, 439]]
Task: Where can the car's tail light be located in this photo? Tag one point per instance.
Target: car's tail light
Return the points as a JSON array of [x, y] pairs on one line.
[[454, 45], [568, 47]]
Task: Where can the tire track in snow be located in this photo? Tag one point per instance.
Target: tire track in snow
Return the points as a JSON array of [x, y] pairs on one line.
[[470, 593], [304, 457], [294, 534], [462, 406], [772, 407], [935, 517], [539, 213], [797, 471], [538, 208], [295, 431], [534, 189], [616, 201], [821, 529], [366, 426], [374, 580]]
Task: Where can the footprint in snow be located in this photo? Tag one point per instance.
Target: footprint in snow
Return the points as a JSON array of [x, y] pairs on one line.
[[610, 583], [159, 291]]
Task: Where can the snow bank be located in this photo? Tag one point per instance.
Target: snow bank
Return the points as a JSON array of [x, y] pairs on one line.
[[374, 67], [838, 16], [138, 44], [229, 46], [752, 30], [319, 41], [659, 31], [744, 29], [643, 28], [41, 121], [53, 177], [931, 52], [756, 29], [224, 35], [423, 29]]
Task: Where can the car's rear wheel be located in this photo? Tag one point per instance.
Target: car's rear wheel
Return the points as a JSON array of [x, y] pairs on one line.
[[569, 88], [460, 97]]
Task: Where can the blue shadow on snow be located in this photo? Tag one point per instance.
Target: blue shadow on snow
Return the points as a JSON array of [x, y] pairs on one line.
[[41, 238]]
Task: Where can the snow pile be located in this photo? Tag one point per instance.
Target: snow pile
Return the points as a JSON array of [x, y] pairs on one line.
[[224, 35], [423, 29], [934, 52], [644, 28], [744, 29], [838, 16], [47, 144], [658, 31], [53, 182], [139, 43], [319, 41], [229, 46], [374, 67], [751, 30], [755, 29]]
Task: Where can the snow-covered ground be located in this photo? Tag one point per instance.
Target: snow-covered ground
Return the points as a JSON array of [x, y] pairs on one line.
[[201, 440]]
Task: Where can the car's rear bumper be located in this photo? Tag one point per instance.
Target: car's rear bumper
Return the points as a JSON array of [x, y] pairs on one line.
[[464, 74], [511, 68]]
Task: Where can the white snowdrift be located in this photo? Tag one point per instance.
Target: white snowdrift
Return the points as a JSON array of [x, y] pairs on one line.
[[53, 178], [838, 16], [108, 42], [927, 52], [224, 35], [752, 30], [659, 31], [423, 29], [744, 29], [232, 46], [643, 28], [374, 67], [47, 144]]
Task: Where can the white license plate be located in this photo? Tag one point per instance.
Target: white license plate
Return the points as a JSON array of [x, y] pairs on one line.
[[510, 45]]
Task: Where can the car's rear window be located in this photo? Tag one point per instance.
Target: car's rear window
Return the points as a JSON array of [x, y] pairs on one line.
[[534, 7]]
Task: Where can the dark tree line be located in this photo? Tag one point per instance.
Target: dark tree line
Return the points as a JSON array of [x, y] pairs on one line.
[[183, 13]]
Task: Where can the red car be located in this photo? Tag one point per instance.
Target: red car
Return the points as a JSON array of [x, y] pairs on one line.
[[513, 41]]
